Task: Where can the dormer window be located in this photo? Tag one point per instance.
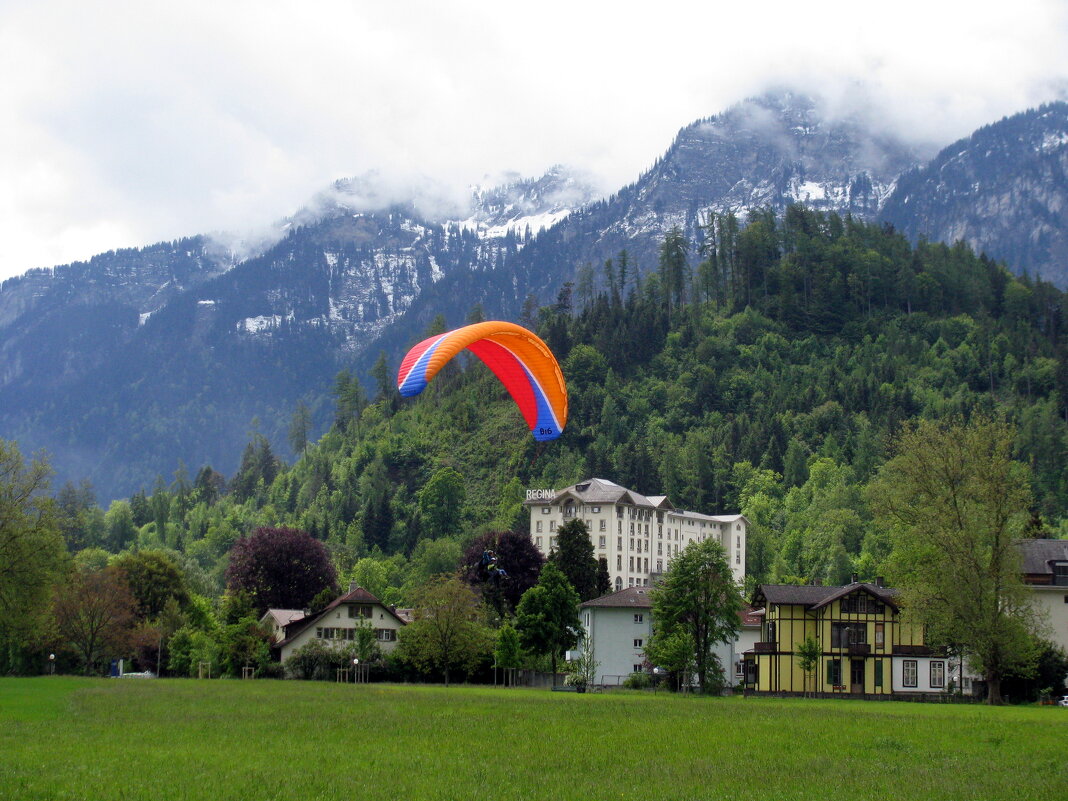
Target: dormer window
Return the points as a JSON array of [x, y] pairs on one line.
[[1060, 574]]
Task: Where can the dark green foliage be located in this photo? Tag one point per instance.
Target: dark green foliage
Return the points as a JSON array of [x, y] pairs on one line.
[[154, 578], [697, 600], [547, 616], [574, 556]]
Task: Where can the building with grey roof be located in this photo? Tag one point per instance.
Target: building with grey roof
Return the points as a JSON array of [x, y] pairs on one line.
[[637, 535]]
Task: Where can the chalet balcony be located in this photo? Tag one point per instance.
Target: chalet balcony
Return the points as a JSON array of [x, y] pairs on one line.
[[859, 649], [764, 647]]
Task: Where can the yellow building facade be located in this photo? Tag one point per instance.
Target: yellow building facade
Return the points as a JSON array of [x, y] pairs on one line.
[[858, 632]]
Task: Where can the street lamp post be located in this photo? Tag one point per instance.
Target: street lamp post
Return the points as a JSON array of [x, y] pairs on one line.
[[51, 664]]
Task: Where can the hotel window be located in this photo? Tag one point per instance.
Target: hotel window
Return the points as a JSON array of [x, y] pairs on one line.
[[537, 527], [909, 673], [603, 526], [632, 527], [938, 675], [537, 541], [737, 558], [632, 563], [552, 525], [659, 565], [647, 564], [834, 672], [637, 643], [660, 532], [619, 562], [545, 510], [619, 543], [601, 542], [637, 669], [587, 620], [552, 542], [639, 618], [659, 549], [595, 510], [619, 527]]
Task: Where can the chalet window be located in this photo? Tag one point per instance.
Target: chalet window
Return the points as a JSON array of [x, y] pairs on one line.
[[834, 672], [880, 636], [909, 673], [861, 603], [938, 674], [845, 634], [637, 668], [771, 631], [360, 610], [385, 635]]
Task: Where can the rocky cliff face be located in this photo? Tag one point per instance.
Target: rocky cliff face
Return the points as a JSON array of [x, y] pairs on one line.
[[1003, 190]]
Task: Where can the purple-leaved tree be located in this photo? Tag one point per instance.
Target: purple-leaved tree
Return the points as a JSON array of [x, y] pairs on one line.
[[280, 568]]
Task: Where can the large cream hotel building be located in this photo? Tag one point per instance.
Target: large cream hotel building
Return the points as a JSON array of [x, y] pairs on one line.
[[638, 535]]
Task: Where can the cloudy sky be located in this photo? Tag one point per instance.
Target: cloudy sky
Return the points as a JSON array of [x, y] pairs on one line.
[[126, 123]]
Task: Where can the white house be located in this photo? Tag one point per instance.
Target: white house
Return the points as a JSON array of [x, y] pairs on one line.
[[337, 623], [637, 535], [1045, 571], [276, 620], [618, 627]]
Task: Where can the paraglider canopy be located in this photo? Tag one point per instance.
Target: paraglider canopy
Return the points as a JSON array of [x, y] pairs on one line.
[[522, 362]]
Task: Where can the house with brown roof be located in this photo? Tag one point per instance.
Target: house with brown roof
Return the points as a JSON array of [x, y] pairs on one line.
[[865, 649], [1045, 572], [336, 624]]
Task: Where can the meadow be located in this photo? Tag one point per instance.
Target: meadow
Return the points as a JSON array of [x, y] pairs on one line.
[[71, 738]]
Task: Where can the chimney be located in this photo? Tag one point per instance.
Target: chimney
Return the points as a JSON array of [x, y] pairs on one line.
[[854, 580], [353, 586], [879, 581]]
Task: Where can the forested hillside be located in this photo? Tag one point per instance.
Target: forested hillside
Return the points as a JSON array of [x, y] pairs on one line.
[[765, 379]]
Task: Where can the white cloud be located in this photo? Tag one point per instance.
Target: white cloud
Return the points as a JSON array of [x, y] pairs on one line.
[[132, 122]]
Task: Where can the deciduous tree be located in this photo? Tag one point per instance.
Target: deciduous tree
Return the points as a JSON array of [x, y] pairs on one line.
[[547, 617], [95, 614], [955, 501], [699, 598], [280, 567], [31, 547], [447, 631]]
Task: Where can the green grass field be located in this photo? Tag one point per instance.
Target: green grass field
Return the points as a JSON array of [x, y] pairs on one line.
[[68, 738]]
